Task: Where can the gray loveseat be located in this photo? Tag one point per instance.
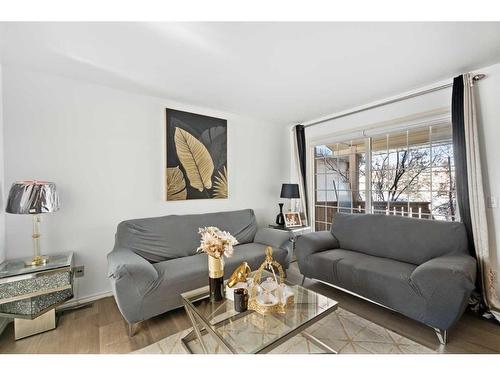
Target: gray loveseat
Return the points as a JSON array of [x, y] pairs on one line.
[[420, 268], [154, 260]]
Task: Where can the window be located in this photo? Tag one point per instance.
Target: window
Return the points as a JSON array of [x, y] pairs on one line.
[[408, 173], [339, 180]]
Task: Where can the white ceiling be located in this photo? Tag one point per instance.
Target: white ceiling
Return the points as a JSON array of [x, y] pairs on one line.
[[281, 72]]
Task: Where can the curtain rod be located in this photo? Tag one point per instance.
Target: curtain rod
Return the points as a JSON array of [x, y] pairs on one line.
[[477, 77]]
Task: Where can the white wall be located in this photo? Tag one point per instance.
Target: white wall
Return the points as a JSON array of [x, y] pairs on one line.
[[104, 150], [2, 182], [488, 100], [3, 321]]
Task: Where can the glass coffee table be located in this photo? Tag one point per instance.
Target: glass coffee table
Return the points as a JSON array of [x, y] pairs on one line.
[[217, 323]]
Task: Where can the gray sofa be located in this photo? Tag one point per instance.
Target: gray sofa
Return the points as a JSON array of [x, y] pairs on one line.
[[420, 268], [154, 260]]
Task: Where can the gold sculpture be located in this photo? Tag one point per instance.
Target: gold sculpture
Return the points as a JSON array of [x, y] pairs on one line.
[[269, 262], [240, 274], [279, 307]]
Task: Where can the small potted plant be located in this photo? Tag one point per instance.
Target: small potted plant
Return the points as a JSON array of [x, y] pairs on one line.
[[216, 244]]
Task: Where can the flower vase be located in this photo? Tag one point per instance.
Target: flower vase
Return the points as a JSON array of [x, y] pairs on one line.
[[216, 278]]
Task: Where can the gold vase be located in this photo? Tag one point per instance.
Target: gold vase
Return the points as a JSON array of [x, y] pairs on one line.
[[216, 278]]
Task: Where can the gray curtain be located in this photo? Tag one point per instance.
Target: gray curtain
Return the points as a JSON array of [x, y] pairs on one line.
[[470, 191], [459, 153], [301, 164]]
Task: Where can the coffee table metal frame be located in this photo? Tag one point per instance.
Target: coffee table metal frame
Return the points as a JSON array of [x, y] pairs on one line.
[[201, 325]]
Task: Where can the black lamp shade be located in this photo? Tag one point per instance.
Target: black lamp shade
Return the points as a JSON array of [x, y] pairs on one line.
[[290, 191]]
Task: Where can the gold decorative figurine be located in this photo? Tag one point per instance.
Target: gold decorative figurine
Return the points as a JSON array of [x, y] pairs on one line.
[[274, 297], [240, 274]]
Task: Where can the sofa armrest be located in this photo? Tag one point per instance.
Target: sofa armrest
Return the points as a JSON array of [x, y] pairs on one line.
[[276, 238], [311, 243], [445, 283], [314, 242], [127, 267], [457, 269], [273, 237]]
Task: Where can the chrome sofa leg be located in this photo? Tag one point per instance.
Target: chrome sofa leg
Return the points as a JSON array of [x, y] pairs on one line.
[[131, 328], [442, 335]]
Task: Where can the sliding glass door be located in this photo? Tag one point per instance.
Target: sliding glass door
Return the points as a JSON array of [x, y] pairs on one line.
[[340, 180], [407, 172]]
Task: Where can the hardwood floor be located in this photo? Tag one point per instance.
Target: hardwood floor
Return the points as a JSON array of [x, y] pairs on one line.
[[101, 328]]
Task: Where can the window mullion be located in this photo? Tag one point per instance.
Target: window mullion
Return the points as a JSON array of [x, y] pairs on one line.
[[431, 209], [368, 175]]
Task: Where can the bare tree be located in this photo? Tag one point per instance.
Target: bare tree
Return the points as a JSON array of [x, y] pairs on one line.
[[447, 186], [399, 172], [399, 176]]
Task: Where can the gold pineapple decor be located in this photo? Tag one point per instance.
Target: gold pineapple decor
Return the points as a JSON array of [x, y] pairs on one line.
[[279, 293]]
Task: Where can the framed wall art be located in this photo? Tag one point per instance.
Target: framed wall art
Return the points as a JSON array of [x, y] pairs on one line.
[[196, 156]]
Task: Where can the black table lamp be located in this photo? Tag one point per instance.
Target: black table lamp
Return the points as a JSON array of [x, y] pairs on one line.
[[290, 191], [33, 198]]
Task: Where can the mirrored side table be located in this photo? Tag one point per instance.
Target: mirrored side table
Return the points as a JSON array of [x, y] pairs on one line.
[[30, 294], [295, 232]]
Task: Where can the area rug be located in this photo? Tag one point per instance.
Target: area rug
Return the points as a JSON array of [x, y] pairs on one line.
[[342, 330]]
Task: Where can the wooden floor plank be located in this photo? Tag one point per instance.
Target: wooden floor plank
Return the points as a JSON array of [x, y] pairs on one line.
[[100, 328]]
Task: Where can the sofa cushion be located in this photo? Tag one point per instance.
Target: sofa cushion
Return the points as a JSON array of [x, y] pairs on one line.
[[383, 280], [168, 237], [180, 275], [400, 238], [254, 254], [324, 263], [186, 268]]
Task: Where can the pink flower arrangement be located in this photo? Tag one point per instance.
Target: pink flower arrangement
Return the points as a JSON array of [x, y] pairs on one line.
[[216, 242]]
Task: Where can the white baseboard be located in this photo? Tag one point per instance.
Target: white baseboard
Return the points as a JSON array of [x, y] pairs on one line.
[[81, 301]]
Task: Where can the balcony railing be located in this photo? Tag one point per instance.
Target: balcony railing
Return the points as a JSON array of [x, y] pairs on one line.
[[325, 211]]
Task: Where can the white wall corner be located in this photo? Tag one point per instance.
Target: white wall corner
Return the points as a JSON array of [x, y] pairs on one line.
[[2, 176]]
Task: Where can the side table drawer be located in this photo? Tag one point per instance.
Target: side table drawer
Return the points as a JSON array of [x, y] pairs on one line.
[[32, 294]]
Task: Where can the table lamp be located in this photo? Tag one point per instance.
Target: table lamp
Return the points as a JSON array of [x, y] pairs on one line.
[[290, 191], [33, 198]]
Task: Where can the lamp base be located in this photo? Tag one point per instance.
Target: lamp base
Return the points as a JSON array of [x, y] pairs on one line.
[[37, 261]]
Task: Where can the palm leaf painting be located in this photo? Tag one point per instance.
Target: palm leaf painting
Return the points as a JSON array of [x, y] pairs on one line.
[[195, 159], [214, 140], [196, 156], [176, 185], [220, 184]]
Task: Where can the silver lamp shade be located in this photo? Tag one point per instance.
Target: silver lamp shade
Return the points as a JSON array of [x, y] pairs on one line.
[[32, 197]]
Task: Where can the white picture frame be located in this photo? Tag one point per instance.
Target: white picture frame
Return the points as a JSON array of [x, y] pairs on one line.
[[292, 219]]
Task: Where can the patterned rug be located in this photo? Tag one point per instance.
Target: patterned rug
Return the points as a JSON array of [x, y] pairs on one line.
[[342, 330]]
